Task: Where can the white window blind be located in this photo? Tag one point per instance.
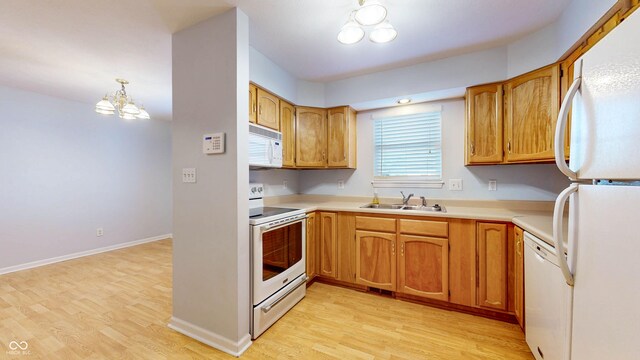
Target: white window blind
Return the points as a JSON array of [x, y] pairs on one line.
[[408, 150]]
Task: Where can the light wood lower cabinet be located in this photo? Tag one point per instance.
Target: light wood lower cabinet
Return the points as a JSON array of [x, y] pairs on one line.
[[376, 259], [312, 246], [519, 276], [346, 247], [492, 265], [328, 244], [424, 266], [462, 262]]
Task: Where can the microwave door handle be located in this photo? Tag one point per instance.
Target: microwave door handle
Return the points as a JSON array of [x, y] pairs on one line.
[[561, 126], [270, 152], [558, 233]]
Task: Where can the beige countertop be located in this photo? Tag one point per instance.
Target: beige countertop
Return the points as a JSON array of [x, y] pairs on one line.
[[534, 217]]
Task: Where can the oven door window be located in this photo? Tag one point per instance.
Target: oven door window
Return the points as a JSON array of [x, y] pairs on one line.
[[281, 249]]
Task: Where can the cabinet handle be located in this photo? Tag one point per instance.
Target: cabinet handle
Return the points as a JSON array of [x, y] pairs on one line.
[[509, 146], [473, 149], [393, 248], [324, 156], [402, 249], [260, 112], [255, 107]]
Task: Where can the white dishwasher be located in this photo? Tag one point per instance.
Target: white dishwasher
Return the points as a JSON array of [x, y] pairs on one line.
[[548, 302]]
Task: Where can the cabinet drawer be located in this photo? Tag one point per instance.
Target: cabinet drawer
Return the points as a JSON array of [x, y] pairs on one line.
[[424, 227], [375, 224]]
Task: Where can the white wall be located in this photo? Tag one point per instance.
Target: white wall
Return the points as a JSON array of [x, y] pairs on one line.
[[515, 182], [210, 227], [65, 171], [272, 77], [453, 72], [273, 181]]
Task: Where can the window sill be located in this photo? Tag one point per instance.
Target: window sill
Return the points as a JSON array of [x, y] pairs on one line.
[[430, 184]]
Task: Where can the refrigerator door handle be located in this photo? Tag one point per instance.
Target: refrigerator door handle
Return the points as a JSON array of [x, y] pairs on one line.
[[558, 213], [561, 127]]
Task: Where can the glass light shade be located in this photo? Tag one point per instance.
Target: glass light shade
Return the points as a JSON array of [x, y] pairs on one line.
[[403, 101], [371, 14], [143, 114], [383, 33], [105, 112], [351, 33], [130, 109], [105, 105], [127, 116]]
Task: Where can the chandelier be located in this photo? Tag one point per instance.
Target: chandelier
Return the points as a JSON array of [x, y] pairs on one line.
[[122, 103], [370, 13]]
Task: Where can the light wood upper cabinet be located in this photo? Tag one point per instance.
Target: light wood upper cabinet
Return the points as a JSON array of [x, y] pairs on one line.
[[484, 124], [531, 110], [341, 147], [312, 247], [253, 103], [268, 110], [492, 265], [328, 244], [519, 276], [376, 259], [424, 267], [311, 137], [288, 129]]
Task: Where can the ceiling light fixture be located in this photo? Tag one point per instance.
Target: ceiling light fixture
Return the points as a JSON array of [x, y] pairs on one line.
[[370, 13], [122, 103], [403, 101], [383, 33], [351, 32]]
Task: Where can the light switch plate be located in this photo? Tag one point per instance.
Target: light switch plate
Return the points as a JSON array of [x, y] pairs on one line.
[[455, 184], [493, 185], [189, 175]]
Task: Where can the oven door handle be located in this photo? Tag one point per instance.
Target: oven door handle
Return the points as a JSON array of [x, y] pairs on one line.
[[278, 226], [268, 308]]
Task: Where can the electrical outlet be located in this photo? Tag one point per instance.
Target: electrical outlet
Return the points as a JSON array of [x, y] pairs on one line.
[[284, 184], [455, 184], [99, 232], [493, 185], [340, 184], [189, 175]]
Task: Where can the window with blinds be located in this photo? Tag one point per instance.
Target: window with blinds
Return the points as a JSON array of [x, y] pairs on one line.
[[408, 149]]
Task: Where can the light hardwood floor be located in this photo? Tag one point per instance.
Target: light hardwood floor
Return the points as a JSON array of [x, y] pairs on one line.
[[116, 305]]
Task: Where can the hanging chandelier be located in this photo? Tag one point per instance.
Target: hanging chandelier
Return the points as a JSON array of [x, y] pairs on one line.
[[370, 13], [122, 103]]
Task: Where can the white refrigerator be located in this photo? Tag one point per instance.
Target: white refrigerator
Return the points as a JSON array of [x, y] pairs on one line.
[[603, 251]]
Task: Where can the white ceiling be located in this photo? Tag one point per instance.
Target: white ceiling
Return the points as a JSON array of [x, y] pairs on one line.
[[76, 48]]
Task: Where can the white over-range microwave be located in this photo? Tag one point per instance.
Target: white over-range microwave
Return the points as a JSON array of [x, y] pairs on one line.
[[265, 147]]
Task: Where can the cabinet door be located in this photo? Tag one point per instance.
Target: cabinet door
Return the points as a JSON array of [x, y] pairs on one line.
[[346, 247], [311, 137], [376, 259], [492, 265], [424, 267], [328, 245], [268, 110], [288, 129], [484, 124], [312, 246], [253, 103], [531, 112], [341, 137], [519, 276]]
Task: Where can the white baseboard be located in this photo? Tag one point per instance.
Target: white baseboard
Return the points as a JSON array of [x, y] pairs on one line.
[[212, 339], [37, 263]]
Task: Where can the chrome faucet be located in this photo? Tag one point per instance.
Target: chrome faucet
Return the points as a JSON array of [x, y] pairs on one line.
[[424, 201], [405, 200]]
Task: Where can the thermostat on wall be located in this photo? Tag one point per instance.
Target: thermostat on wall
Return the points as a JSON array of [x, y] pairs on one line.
[[213, 143]]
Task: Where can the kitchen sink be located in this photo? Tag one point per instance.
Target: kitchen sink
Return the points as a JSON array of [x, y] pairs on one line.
[[434, 208]]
